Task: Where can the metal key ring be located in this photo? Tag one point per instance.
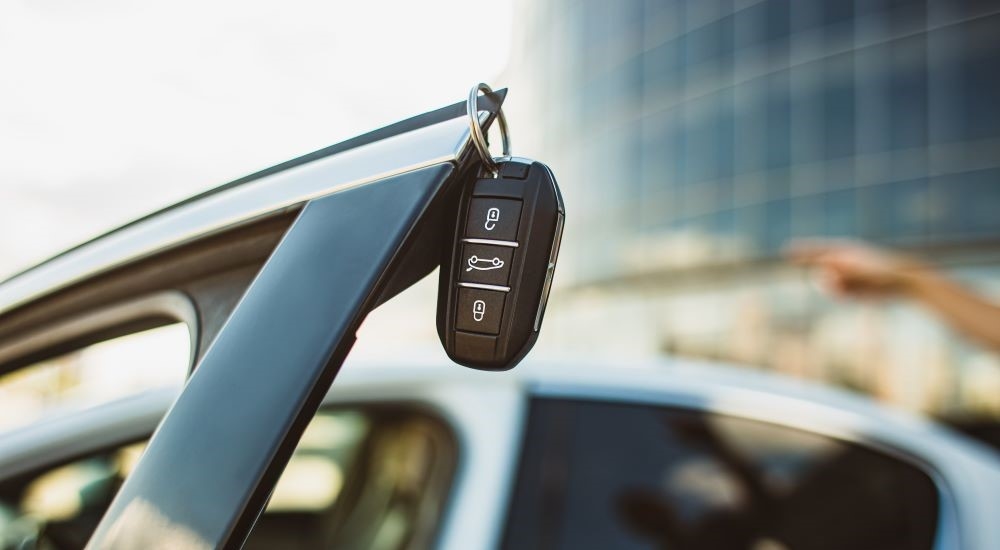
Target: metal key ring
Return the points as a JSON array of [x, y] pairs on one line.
[[478, 137]]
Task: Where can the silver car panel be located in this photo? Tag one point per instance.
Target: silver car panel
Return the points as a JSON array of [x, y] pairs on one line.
[[435, 144]]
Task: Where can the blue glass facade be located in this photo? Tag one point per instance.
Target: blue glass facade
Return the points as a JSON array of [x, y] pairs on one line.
[[694, 139], [744, 124]]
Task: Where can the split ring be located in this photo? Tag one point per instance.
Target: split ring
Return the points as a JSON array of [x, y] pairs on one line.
[[478, 136]]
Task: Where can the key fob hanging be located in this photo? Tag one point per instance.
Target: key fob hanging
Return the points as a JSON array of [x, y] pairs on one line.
[[496, 277]]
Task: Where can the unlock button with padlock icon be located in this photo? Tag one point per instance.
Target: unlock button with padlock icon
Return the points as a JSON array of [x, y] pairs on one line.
[[494, 219]]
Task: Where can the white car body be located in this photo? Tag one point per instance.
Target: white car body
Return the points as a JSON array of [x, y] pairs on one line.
[[488, 415]]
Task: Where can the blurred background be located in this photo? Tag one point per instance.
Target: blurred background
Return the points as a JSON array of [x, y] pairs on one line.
[[692, 141], [696, 138]]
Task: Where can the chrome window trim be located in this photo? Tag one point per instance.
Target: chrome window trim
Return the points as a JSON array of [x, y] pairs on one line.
[[272, 194]]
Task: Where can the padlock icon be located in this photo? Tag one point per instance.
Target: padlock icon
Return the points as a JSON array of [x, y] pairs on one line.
[[492, 217]]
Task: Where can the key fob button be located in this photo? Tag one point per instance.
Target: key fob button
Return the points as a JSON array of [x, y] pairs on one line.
[[514, 170], [494, 219], [485, 264], [479, 310], [468, 344]]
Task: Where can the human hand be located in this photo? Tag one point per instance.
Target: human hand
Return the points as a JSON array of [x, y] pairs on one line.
[[854, 269]]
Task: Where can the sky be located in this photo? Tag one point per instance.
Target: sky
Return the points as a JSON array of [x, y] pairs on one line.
[[111, 109]]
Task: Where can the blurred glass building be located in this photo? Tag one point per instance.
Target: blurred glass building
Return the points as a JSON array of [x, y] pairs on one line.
[[694, 139]]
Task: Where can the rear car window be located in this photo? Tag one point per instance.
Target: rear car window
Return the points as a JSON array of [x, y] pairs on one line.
[[360, 478], [95, 374], [605, 475]]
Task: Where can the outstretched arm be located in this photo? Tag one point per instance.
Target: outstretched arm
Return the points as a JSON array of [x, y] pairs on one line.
[[853, 269]]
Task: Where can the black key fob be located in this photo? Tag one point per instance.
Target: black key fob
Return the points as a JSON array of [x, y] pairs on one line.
[[495, 279]]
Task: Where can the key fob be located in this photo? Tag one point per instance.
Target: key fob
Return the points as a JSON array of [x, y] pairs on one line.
[[495, 279]]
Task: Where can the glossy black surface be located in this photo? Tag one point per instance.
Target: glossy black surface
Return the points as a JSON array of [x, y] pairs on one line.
[[209, 468]]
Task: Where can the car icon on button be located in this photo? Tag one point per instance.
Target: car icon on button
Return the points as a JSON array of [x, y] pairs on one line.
[[484, 264]]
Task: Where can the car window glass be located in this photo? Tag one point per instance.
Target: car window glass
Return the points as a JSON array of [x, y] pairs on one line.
[[95, 374], [602, 475], [373, 478], [393, 482]]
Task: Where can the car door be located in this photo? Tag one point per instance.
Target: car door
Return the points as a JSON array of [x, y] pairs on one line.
[[273, 273], [373, 475]]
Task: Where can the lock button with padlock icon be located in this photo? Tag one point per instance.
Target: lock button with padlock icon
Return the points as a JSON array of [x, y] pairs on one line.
[[480, 310]]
